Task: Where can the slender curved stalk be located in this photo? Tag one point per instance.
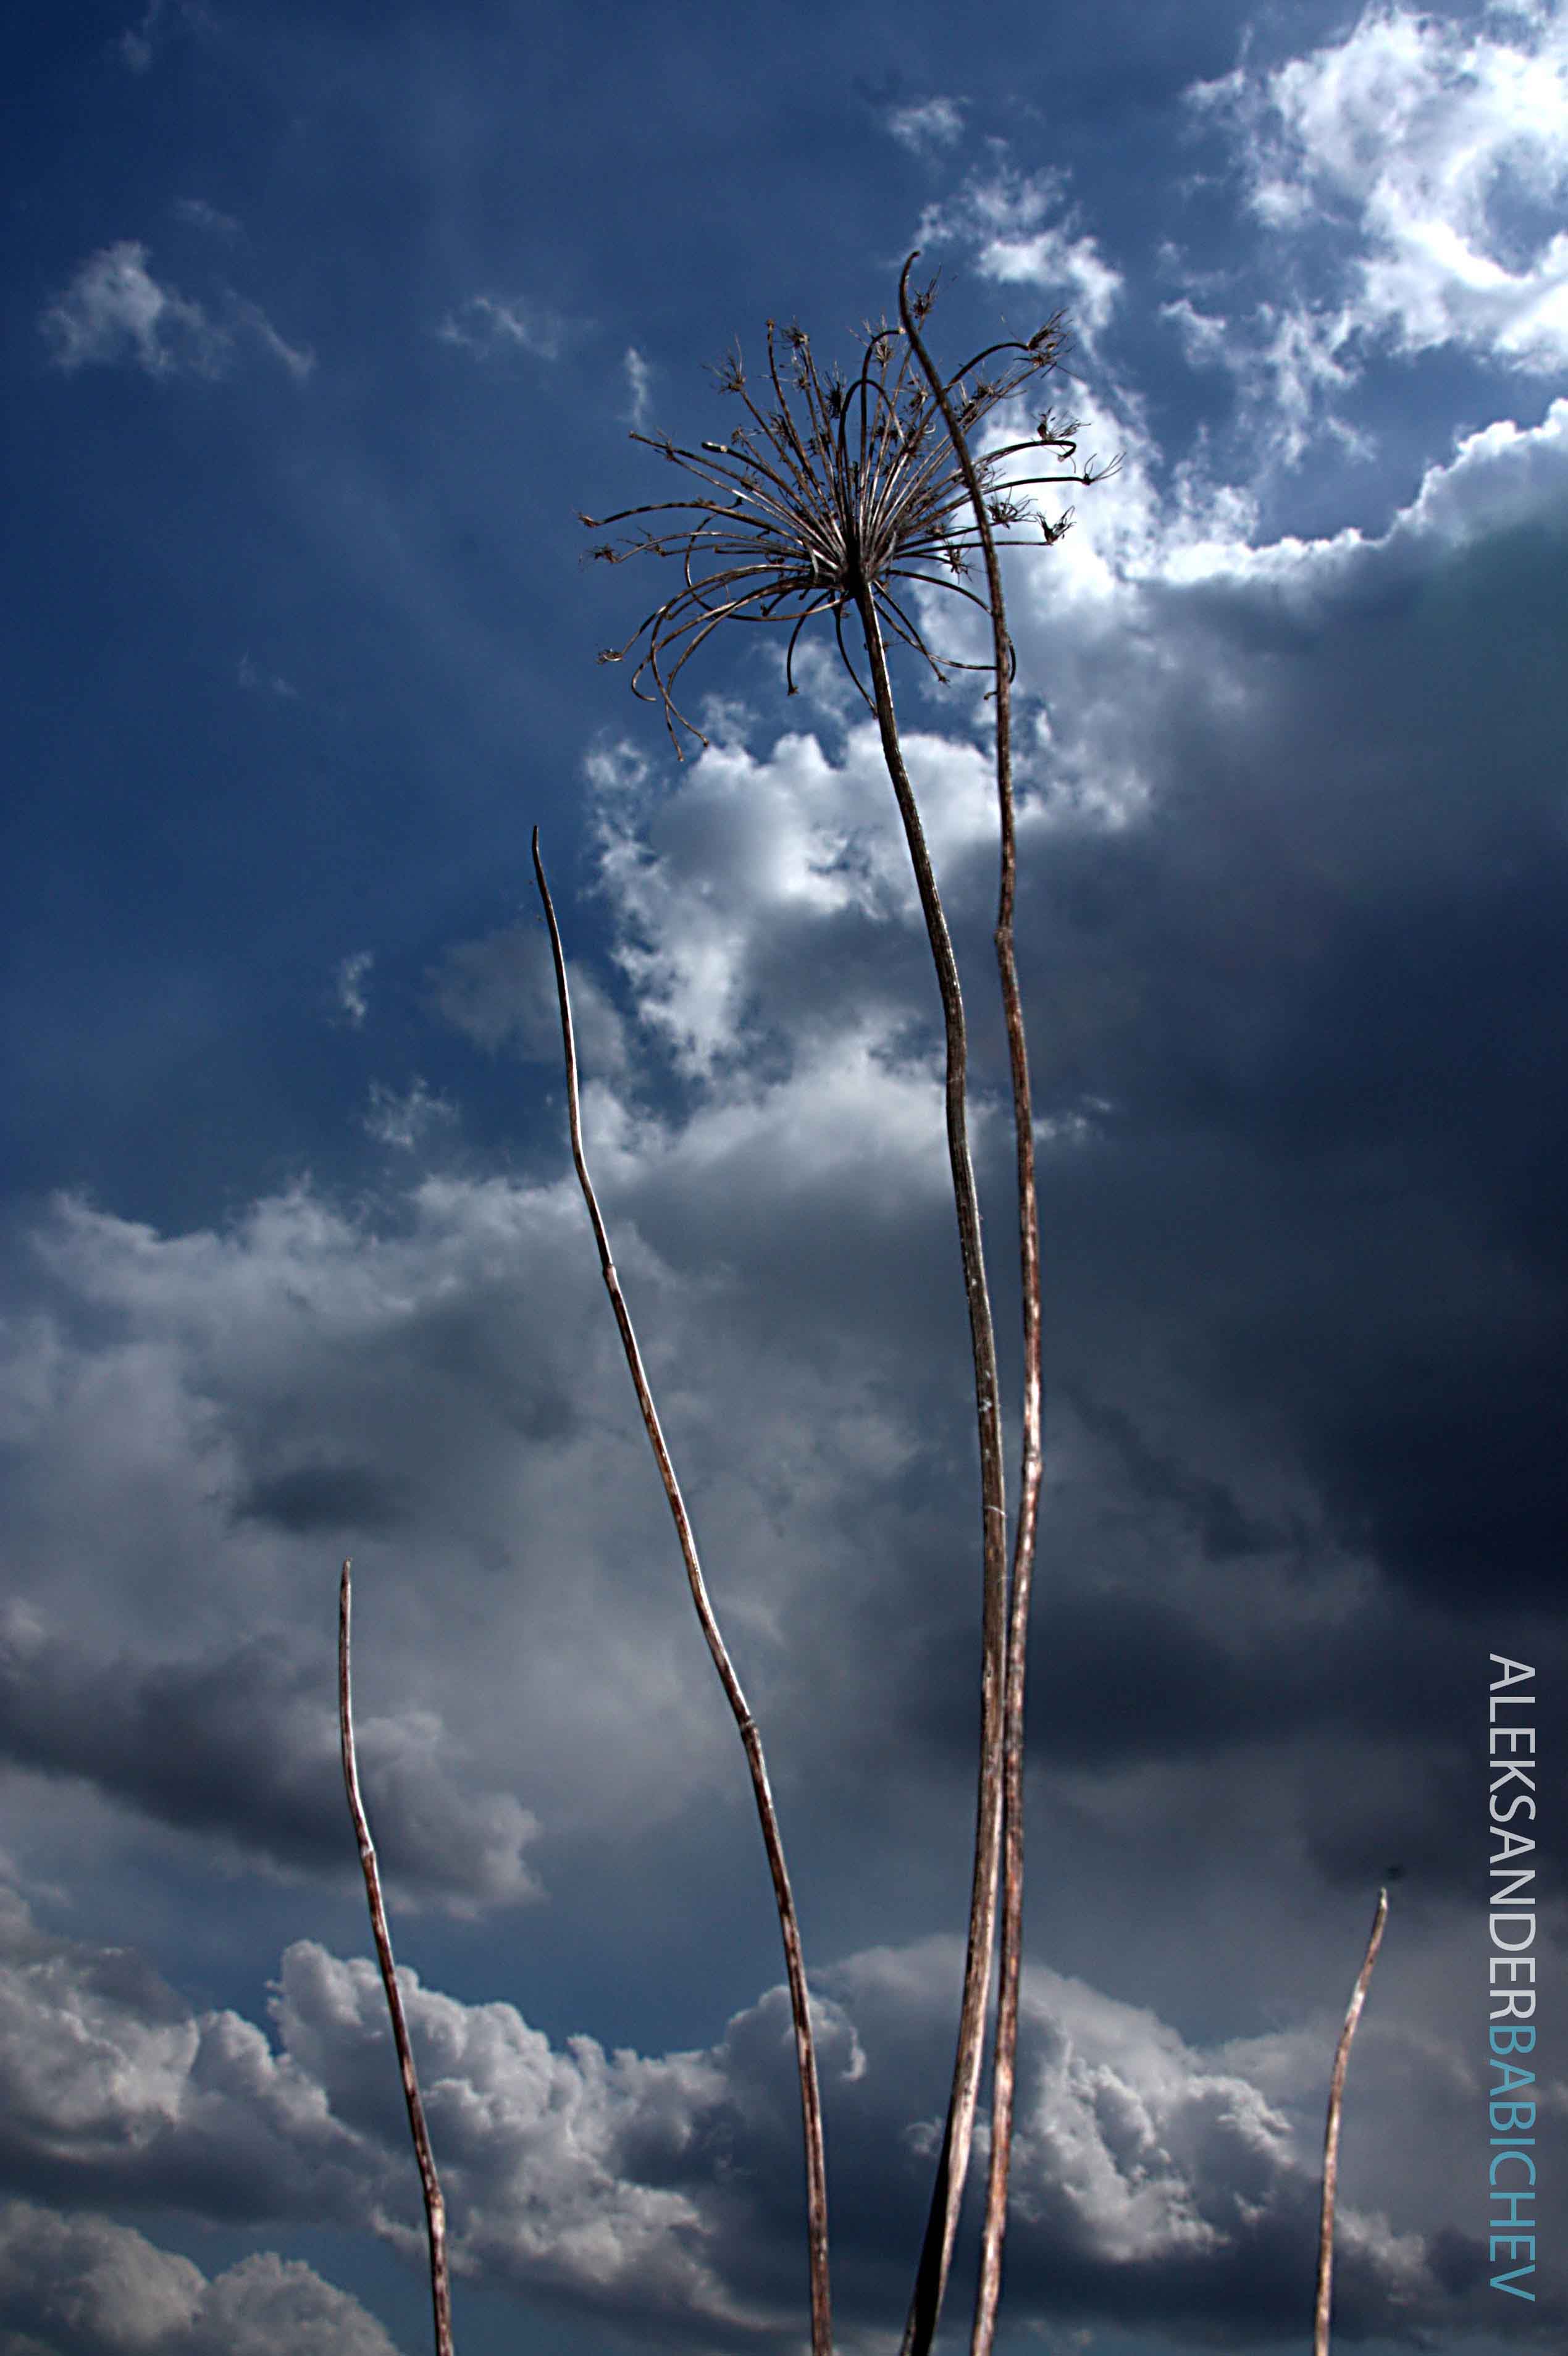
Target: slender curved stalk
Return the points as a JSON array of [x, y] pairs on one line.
[[434, 2206], [1032, 1463], [952, 2167], [799, 2001], [1331, 2133]]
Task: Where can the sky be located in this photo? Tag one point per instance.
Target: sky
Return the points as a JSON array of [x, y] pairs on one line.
[[322, 327]]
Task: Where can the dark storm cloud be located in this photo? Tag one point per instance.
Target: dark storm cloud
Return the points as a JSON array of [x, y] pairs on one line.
[[1223, 1529], [245, 1747], [1324, 985], [310, 1497]]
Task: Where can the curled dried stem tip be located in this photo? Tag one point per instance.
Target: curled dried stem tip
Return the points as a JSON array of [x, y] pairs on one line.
[[434, 2206]]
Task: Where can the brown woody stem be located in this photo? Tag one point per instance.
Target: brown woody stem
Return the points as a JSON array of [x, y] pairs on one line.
[[434, 2206], [799, 2001], [1032, 1463], [952, 2167], [1331, 2133]]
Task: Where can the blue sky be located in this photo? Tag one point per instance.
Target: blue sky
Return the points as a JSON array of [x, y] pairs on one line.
[[321, 328]]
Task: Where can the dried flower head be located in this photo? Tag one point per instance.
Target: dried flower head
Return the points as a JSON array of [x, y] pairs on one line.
[[825, 502]]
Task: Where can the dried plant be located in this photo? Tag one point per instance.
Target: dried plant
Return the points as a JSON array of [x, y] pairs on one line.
[[829, 504], [820, 506]]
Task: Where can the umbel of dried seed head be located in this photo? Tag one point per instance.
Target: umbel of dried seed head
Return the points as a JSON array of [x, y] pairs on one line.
[[839, 489]]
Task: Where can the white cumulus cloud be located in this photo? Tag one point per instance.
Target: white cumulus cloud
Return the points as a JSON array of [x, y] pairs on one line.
[[633, 2185], [1437, 151]]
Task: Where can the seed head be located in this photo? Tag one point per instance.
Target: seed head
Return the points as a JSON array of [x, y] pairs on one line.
[[835, 491]]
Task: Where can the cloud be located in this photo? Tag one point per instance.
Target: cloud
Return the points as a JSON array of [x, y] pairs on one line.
[[1410, 176], [639, 378], [196, 213], [934, 123], [243, 1744], [136, 44], [1275, 992], [79, 2286], [114, 312], [1301, 1001], [404, 1122], [487, 324], [501, 989], [1151, 2179], [788, 843], [1025, 234], [259, 682], [468, 1399], [300, 364], [1365, 851], [349, 986], [1290, 1003], [1290, 365]]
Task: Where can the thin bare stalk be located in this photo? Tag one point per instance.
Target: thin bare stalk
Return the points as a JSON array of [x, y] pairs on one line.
[[952, 2167], [799, 2001], [1331, 2133], [434, 2206], [1033, 1454]]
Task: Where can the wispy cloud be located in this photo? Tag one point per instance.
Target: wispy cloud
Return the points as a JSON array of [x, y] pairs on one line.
[[1289, 362], [404, 1121], [639, 377], [1024, 231], [298, 363], [114, 313], [934, 123], [256, 681], [501, 989], [349, 986], [487, 324], [137, 43], [196, 213]]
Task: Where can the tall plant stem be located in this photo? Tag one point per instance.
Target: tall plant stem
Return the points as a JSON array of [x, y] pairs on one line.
[[952, 2167], [799, 2001], [1032, 1458], [1331, 2133], [434, 2206]]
